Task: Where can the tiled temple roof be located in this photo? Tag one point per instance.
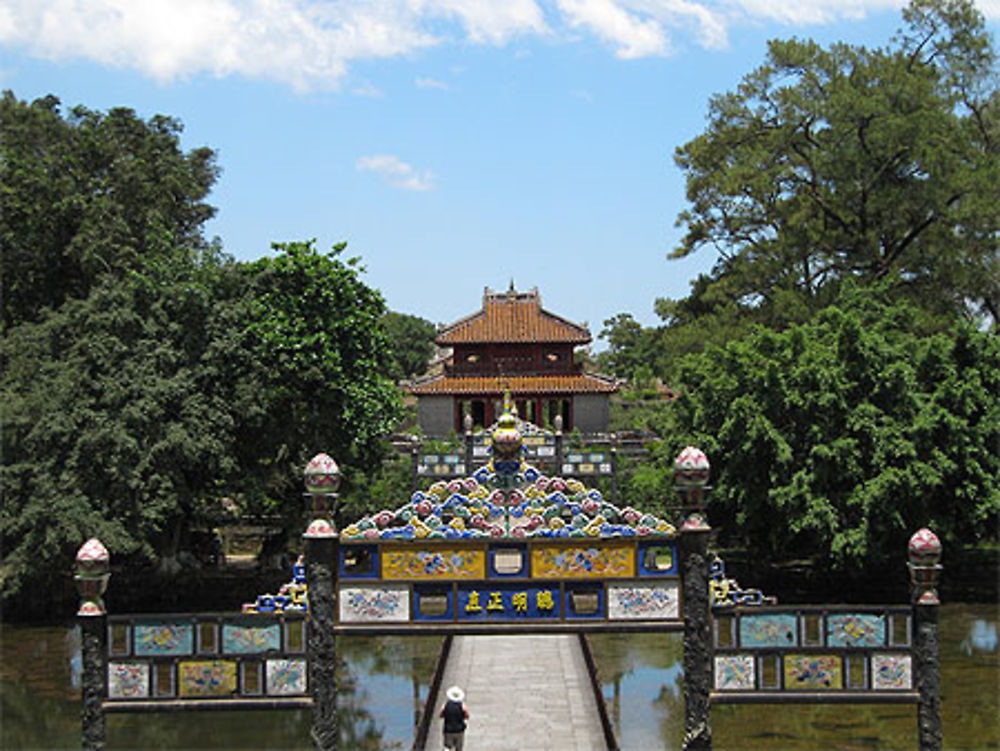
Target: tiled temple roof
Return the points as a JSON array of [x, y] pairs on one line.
[[510, 318], [575, 383]]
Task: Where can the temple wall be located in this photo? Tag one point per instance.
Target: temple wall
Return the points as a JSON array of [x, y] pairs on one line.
[[591, 413], [436, 414]]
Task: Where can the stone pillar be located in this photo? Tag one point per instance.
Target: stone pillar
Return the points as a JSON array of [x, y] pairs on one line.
[[322, 561], [414, 464], [557, 424], [467, 424], [697, 639], [614, 472], [924, 554], [92, 574], [691, 472]]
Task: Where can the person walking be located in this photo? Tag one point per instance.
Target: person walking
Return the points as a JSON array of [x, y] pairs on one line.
[[456, 717]]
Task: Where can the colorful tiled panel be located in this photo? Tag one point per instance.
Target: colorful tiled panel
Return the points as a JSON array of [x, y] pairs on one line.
[[163, 639], [507, 602], [286, 677], [206, 678], [734, 673], [769, 630], [439, 563], [813, 672], [855, 630], [891, 672], [244, 639], [128, 680], [560, 562], [374, 604], [643, 601], [541, 507]]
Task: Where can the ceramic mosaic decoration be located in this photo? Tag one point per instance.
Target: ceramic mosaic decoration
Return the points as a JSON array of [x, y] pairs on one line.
[[734, 673], [474, 508]]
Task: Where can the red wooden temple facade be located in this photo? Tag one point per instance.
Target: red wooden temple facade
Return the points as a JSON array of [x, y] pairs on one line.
[[513, 345]]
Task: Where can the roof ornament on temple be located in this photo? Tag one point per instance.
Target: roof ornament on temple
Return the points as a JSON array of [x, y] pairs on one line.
[[507, 498]]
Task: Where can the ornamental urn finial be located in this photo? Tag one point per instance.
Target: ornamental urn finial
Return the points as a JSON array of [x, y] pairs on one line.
[[924, 553], [691, 473], [691, 468], [507, 439], [322, 475], [322, 478], [93, 565]]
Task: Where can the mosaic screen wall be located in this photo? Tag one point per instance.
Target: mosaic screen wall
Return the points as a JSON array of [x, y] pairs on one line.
[[813, 650], [624, 580], [206, 657]]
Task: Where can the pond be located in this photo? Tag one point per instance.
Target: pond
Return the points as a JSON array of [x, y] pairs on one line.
[[388, 679]]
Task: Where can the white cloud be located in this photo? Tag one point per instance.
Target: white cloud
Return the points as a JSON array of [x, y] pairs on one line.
[[810, 12], [430, 83], [311, 44], [632, 35], [396, 172]]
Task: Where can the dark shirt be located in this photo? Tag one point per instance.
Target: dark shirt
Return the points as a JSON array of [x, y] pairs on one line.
[[454, 717]]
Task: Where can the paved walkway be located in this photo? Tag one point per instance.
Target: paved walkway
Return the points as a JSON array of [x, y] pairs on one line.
[[524, 693]]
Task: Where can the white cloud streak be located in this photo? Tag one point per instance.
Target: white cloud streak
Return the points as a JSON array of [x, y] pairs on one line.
[[396, 172], [430, 83], [312, 44]]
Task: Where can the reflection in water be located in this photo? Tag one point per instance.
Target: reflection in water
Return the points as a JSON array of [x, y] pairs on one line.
[[388, 678], [383, 682], [982, 637], [642, 685]]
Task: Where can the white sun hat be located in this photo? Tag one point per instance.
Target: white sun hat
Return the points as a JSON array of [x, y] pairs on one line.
[[455, 693]]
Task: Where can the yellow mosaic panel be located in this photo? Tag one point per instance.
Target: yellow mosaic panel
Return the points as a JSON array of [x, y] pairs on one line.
[[582, 562], [436, 563], [206, 678], [813, 672]]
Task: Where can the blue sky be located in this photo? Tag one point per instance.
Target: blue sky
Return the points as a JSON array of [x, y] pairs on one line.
[[453, 144]]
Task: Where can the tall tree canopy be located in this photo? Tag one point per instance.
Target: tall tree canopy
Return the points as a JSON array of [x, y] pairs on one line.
[[90, 195], [411, 343], [840, 437], [153, 376], [829, 163]]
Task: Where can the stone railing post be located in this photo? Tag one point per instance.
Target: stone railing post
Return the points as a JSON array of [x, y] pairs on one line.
[[924, 555], [691, 471], [467, 424], [322, 478], [414, 464], [92, 573], [557, 424], [614, 471]]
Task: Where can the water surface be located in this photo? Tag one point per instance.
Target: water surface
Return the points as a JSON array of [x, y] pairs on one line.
[[387, 679]]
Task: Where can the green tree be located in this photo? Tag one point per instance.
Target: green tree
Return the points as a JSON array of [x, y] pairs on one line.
[[316, 330], [840, 437], [113, 426], [92, 195], [630, 346], [144, 375], [847, 162], [411, 344]]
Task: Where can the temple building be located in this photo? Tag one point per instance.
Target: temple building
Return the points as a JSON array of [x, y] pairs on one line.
[[512, 345]]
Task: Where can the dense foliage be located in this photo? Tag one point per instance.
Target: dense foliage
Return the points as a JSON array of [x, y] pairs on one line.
[[142, 389], [837, 438], [882, 164], [411, 344], [92, 195], [839, 361]]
